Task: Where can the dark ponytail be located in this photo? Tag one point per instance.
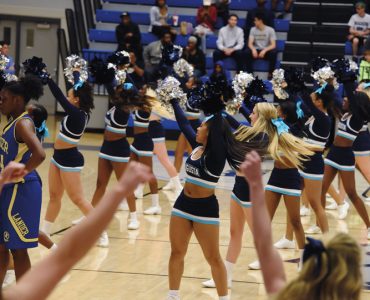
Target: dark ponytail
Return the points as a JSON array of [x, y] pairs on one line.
[[327, 97], [29, 87], [85, 95], [360, 106]]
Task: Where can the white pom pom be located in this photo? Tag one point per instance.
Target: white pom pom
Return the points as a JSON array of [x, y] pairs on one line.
[[74, 62], [169, 89]]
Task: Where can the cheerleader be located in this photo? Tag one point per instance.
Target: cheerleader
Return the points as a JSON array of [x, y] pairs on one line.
[[67, 162], [40, 281], [340, 158], [20, 201], [193, 115]]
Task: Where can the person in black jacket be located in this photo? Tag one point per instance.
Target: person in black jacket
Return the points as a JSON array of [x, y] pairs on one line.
[[195, 56], [128, 35]]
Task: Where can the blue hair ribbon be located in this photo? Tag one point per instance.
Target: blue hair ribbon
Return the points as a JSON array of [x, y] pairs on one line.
[[321, 89], [366, 85], [207, 118], [43, 129], [299, 111], [128, 86], [280, 126], [78, 85], [314, 248]]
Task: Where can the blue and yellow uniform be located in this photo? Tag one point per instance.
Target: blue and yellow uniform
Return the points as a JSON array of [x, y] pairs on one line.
[[20, 202]]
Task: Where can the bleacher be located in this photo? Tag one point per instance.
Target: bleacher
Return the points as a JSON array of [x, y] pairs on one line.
[[103, 40]]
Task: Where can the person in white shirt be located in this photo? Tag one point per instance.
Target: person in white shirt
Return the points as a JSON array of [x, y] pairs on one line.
[[230, 43], [261, 44], [359, 27]]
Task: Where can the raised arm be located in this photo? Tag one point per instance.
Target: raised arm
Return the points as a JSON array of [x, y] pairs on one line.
[[317, 113], [184, 124], [234, 124], [246, 113], [39, 281], [270, 260], [63, 101]]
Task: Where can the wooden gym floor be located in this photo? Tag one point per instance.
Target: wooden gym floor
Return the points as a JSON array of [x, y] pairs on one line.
[[135, 264]]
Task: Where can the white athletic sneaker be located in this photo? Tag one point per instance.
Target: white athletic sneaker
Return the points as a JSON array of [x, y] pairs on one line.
[[343, 210], [255, 265], [9, 278], [79, 220], [139, 192], [169, 186], [314, 229], [123, 206], [284, 243], [103, 240], [305, 211], [172, 297], [153, 210], [331, 206], [211, 284], [133, 224]]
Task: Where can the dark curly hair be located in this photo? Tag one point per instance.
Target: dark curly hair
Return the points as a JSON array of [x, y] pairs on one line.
[[85, 95], [29, 87]]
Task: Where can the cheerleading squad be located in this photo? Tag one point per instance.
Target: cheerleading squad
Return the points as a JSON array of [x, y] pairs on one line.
[[295, 134]]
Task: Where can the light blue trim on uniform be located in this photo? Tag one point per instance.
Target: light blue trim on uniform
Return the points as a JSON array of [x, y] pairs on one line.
[[140, 152], [198, 219], [67, 139], [116, 130], [338, 166], [362, 153], [200, 183], [66, 169], [318, 177], [283, 191], [240, 202], [346, 135], [141, 124], [159, 140], [114, 158], [192, 114]]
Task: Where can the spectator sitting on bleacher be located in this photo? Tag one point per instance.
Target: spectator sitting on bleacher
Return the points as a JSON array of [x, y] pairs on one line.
[[136, 70], [230, 43], [249, 21], [287, 6], [359, 28], [206, 20], [365, 67], [194, 56], [128, 35], [159, 18], [4, 50], [261, 44], [222, 9], [219, 74], [153, 53]]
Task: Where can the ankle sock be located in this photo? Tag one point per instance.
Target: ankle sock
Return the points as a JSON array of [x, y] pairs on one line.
[[155, 200]]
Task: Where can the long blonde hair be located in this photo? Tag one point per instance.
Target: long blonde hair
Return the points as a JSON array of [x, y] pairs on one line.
[[339, 277], [284, 147]]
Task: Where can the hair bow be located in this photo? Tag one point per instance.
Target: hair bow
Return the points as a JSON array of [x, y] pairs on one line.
[[128, 86], [366, 85], [78, 85], [314, 248], [320, 89], [280, 126], [43, 129], [299, 111]]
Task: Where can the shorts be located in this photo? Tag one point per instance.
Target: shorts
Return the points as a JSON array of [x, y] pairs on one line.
[[361, 40], [156, 132], [240, 193], [361, 145], [313, 168], [341, 158], [68, 160], [117, 151], [200, 210], [285, 182], [142, 145], [20, 207]]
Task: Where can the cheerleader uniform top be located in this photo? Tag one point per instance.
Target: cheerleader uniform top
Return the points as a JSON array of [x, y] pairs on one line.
[[116, 120], [12, 150], [141, 118], [316, 130], [350, 125], [204, 171], [74, 123]]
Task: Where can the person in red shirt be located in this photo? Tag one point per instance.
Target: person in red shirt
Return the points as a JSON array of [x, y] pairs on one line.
[[206, 20]]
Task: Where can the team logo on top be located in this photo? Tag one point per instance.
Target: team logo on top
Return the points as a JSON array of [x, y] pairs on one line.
[[6, 236]]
